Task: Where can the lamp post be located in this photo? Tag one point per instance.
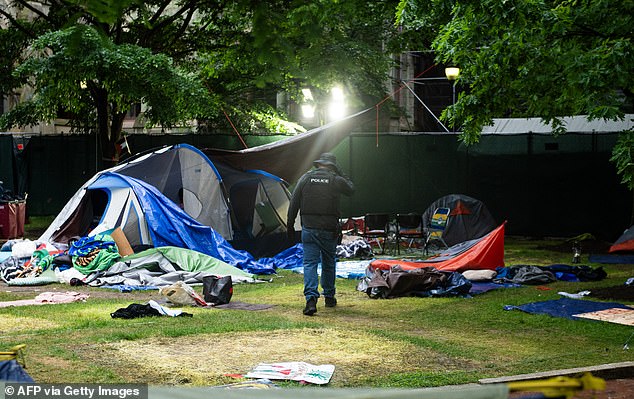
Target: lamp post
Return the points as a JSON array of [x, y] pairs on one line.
[[452, 74]]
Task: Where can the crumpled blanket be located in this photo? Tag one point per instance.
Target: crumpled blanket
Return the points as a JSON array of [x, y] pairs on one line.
[[358, 248], [48, 298], [11, 268], [93, 253]]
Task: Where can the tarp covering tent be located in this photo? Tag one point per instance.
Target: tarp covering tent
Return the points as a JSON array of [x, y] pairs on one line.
[[167, 265], [147, 217], [625, 243], [468, 218], [188, 179], [291, 157], [482, 253]]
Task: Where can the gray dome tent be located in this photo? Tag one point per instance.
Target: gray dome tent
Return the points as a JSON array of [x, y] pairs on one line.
[[247, 208], [468, 218]]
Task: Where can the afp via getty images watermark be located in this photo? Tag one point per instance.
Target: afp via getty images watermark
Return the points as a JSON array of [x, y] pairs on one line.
[[75, 391]]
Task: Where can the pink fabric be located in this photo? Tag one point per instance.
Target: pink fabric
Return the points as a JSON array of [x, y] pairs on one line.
[[48, 298]]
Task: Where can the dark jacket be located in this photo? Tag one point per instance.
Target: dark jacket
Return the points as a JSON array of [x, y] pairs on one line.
[[317, 197]]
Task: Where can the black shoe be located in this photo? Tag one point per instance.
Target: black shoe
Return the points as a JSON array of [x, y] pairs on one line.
[[331, 302], [311, 307]]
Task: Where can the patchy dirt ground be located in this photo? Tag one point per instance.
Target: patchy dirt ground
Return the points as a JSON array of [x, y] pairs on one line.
[[216, 359]]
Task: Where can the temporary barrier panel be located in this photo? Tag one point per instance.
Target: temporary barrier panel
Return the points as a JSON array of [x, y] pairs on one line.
[[12, 216]]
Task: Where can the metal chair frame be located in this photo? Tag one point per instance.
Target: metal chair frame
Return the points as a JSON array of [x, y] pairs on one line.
[[376, 225], [408, 226]]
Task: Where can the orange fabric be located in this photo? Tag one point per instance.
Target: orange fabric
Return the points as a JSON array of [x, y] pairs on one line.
[[488, 253], [627, 246], [460, 209]]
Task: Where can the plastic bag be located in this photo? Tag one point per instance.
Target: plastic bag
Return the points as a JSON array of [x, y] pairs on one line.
[[217, 290], [180, 293]]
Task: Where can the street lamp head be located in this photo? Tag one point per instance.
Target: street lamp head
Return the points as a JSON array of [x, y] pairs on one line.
[[452, 73]]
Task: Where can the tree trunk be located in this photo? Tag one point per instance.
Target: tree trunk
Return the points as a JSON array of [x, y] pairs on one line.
[[115, 133], [103, 122], [109, 126], [632, 213]]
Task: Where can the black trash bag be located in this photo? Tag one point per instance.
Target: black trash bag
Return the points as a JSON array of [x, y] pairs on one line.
[[217, 290]]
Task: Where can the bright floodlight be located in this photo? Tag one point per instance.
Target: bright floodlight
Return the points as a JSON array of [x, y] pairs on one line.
[[336, 111], [337, 107], [308, 111], [337, 94]]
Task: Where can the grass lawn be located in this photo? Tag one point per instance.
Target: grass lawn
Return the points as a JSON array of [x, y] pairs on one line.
[[402, 342]]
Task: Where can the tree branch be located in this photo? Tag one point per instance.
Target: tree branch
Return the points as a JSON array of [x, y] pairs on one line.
[[159, 12], [15, 23], [28, 6], [175, 16], [183, 26]]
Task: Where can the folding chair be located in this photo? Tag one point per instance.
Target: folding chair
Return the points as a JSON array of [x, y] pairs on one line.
[[376, 225], [437, 226], [409, 226]]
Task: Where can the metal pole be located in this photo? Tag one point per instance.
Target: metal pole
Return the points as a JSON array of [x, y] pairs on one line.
[[453, 104]]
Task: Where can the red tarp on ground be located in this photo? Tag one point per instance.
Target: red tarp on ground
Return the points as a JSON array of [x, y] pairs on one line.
[[484, 253]]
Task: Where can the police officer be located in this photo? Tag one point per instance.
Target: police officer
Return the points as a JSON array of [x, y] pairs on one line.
[[317, 197]]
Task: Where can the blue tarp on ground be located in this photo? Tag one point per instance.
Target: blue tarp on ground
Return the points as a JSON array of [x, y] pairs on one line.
[[566, 307], [622, 259], [169, 225], [11, 371]]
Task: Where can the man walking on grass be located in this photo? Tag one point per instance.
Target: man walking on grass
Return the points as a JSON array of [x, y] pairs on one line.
[[316, 196]]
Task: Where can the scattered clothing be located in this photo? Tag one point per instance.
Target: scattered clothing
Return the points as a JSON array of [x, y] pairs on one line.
[[576, 273], [359, 248], [619, 292], [46, 277], [48, 298], [152, 308], [578, 295], [23, 248], [530, 274], [93, 253], [524, 274]]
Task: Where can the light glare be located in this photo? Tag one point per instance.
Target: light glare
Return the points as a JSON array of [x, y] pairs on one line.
[[308, 111]]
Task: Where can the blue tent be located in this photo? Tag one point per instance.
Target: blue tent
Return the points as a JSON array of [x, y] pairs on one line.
[[177, 197]]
